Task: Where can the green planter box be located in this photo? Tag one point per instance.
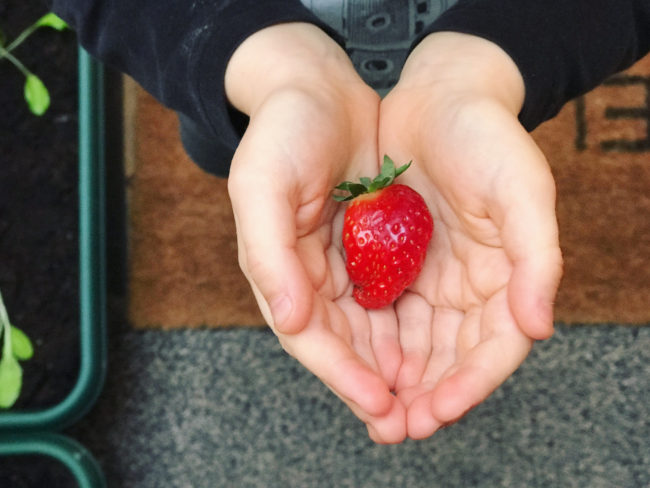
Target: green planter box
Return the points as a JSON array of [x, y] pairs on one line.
[[81, 466], [35, 432]]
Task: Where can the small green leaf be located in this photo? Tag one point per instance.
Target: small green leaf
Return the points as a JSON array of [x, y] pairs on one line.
[[52, 20], [403, 168], [380, 182], [352, 190], [342, 198], [11, 379], [355, 189], [36, 95], [22, 346], [388, 168], [385, 178]]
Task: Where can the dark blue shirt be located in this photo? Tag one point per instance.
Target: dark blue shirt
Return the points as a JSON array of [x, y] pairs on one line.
[[178, 50]]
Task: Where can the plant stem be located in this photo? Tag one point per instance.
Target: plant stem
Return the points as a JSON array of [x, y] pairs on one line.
[[6, 328], [22, 36], [4, 53]]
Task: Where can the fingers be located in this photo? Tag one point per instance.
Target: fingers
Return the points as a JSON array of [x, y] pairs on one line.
[[385, 344], [266, 235], [531, 241], [415, 335], [389, 428], [429, 342], [385, 425], [481, 372], [296, 147], [476, 372], [375, 338], [269, 190], [337, 364], [532, 289]]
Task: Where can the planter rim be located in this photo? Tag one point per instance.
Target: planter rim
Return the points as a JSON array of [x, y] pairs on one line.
[[74, 456]]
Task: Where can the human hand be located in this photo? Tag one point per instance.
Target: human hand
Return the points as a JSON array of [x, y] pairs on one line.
[[494, 264], [313, 123]]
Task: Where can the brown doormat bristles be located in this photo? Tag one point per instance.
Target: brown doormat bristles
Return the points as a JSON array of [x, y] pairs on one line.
[[599, 149], [183, 269], [183, 257]]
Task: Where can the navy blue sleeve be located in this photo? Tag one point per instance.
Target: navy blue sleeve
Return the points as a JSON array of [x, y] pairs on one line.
[[178, 50], [563, 48]]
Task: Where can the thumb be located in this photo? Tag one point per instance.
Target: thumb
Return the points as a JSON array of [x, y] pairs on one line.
[[532, 291], [266, 237], [532, 237]]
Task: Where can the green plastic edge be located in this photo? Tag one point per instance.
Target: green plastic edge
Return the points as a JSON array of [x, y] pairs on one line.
[[76, 458], [92, 268]]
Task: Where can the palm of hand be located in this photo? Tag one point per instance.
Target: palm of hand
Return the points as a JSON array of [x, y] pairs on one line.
[[456, 334], [355, 352], [459, 340], [461, 327], [444, 346], [289, 228]]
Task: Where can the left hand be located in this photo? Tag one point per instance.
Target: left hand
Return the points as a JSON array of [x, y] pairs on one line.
[[494, 264]]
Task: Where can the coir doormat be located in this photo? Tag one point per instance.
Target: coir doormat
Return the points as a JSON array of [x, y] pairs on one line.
[[183, 256]]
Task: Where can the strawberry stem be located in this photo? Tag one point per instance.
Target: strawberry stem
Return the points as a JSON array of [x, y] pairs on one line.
[[385, 178]]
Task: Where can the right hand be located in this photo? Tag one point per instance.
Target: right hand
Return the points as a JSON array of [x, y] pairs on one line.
[[313, 124]]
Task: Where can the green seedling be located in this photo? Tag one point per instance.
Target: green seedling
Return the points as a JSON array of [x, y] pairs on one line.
[[15, 346], [36, 93]]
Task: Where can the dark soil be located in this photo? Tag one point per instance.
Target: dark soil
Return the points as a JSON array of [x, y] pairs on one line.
[[39, 222], [34, 472], [38, 205]]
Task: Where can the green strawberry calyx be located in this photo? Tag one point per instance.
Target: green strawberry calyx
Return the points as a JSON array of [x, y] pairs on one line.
[[365, 185]]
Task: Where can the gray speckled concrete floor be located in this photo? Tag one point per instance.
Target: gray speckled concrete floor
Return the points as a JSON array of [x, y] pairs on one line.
[[221, 408]]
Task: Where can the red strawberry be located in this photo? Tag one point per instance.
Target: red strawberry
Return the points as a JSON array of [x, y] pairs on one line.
[[386, 231]]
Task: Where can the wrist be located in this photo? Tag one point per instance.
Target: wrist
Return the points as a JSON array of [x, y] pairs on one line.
[[291, 55], [466, 66]]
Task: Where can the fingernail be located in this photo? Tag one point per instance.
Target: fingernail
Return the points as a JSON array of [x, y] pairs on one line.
[[281, 309]]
